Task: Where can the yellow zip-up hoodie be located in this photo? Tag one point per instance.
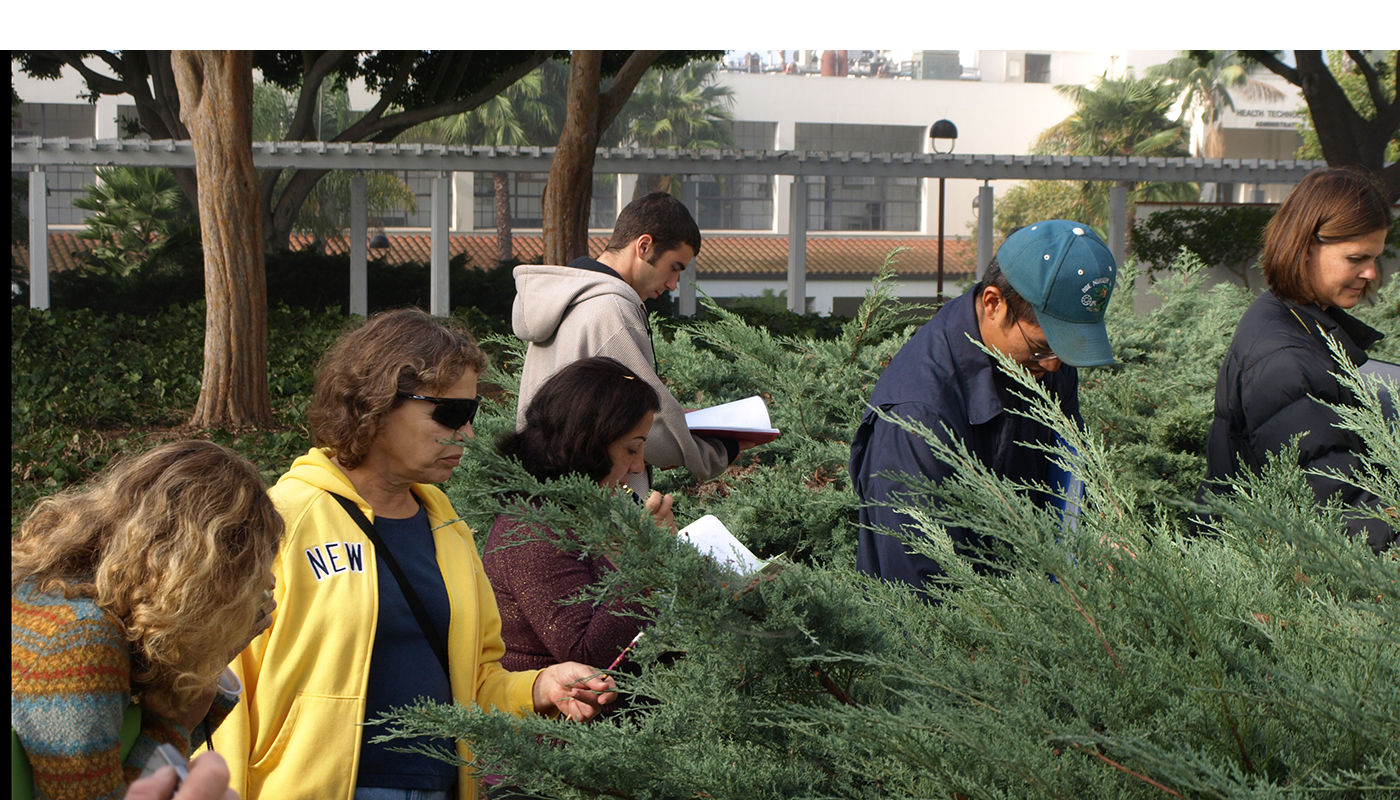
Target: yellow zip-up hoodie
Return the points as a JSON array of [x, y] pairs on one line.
[[296, 733]]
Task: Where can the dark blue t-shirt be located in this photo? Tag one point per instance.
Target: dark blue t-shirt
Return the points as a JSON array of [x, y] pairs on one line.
[[403, 666]]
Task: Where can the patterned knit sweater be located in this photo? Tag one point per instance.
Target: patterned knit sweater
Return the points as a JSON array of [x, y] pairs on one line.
[[70, 681]]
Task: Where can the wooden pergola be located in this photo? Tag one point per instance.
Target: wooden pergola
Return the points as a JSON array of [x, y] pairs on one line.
[[38, 154]]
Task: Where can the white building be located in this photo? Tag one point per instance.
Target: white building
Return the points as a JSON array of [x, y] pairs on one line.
[[1000, 102]]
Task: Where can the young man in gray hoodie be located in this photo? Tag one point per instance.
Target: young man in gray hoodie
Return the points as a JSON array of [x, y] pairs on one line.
[[594, 308]]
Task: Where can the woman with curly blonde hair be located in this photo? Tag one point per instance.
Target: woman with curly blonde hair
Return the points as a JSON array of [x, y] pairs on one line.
[[141, 586]]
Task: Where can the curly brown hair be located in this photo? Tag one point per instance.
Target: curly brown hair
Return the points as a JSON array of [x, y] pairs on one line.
[[1328, 205], [176, 543], [361, 375]]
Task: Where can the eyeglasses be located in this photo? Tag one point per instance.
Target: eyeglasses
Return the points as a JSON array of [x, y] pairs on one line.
[[451, 412], [1034, 355]]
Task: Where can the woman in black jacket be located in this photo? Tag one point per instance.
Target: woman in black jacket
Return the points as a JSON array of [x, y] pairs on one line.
[[1320, 257]]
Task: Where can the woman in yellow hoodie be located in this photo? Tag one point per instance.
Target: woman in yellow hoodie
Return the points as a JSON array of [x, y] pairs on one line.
[[381, 596]]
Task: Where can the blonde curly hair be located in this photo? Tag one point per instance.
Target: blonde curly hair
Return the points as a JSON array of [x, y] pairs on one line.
[[177, 544]]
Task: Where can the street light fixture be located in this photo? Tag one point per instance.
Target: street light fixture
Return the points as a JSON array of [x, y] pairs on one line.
[[942, 129]]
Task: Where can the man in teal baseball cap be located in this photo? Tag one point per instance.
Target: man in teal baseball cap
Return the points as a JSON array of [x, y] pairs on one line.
[[1042, 303], [1065, 272]]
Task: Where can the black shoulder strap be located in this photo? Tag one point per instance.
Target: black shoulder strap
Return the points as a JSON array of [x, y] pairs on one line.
[[420, 612]]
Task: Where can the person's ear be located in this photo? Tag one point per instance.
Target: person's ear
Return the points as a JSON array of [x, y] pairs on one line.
[[993, 304], [643, 244]]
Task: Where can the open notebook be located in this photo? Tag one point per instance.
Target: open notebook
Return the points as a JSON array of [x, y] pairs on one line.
[[741, 419]]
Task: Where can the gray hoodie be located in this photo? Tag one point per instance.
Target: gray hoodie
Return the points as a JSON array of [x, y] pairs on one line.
[[566, 314]]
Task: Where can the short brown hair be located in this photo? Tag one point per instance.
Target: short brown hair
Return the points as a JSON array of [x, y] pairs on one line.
[[362, 374], [1328, 205], [176, 543], [660, 215], [1018, 309]]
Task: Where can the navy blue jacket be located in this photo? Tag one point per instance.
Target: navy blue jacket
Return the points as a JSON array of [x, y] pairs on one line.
[[940, 378], [1277, 369]]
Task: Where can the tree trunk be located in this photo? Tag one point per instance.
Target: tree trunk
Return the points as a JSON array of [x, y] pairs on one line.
[[216, 100], [283, 215], [505, 248], [568, 194], [1347, 138], [1214, 140], [571, 175]]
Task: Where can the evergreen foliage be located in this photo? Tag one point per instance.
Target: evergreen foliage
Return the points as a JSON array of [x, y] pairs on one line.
[[1260, 660], [1227, 236], [141, 221], [1112, 656]]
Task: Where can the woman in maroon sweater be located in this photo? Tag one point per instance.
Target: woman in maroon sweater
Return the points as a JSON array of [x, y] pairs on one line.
[[591, 418]]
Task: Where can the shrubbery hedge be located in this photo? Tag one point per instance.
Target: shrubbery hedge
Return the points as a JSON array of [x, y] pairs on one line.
[[1262, 661]]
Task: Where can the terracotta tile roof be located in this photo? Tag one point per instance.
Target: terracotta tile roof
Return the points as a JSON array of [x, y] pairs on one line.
[[833, 256], [722, 256], [479, 247], [65, 251]]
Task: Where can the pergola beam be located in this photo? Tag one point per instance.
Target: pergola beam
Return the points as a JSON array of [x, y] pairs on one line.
[[628, 160], [443, 159]]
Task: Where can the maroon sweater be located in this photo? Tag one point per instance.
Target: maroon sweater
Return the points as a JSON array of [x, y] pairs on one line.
[[530, 580]]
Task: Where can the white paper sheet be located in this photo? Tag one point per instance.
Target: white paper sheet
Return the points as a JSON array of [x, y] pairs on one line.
[[710, 536]]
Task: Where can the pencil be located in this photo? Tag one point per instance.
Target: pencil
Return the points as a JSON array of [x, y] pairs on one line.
[[625, 651]]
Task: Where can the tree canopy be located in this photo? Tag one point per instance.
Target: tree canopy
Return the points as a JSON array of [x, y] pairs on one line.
[[413, 86], [1349, 133]]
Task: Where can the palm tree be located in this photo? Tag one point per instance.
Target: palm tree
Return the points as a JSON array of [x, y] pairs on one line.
[[683, 107], [527, 113], [1117, 117], [140, 217], [1124, 116], [1205, 81]]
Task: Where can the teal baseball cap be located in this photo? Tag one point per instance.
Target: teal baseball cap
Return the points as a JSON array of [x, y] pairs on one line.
[[1066, 272]]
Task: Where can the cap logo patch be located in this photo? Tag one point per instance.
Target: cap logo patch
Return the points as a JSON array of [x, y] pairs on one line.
[[1095, 294]]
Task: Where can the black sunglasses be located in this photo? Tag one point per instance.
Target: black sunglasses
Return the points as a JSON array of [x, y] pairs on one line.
[[452, 412]]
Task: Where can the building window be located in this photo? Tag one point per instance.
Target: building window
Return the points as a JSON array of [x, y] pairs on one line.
[[862, 203], [51, 121], [128, 122], [421, 182], [839, 138], [64, 184], [1037, 68], [526, 200], [734, 202], [603, 213]]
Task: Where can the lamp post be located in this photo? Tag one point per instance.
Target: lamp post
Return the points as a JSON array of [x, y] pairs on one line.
[[942, 129]]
